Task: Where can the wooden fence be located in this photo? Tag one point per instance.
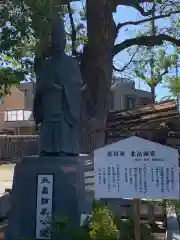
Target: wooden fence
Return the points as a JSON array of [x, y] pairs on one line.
[[13, 147], [120, 124]]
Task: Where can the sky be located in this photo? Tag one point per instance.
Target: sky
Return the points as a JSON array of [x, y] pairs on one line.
[[129, 14], [124, 14]]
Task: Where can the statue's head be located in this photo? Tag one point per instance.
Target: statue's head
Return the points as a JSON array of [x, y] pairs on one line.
[[58, 37]]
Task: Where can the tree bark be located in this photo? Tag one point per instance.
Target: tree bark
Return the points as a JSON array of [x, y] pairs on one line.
[[96, 69], [153, 94]]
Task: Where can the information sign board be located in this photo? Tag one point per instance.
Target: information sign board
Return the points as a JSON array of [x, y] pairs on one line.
[[136, 168]]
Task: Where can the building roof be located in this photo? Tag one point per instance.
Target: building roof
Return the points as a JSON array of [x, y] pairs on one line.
[[118, 82], [146, 118]]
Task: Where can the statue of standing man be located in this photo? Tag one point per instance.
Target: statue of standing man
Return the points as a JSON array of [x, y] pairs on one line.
[[57, 101]]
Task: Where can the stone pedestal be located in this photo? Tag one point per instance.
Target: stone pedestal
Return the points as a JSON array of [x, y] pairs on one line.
[[68, 192]]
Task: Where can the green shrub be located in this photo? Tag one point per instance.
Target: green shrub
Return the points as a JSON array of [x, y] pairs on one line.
[[127, 229], [102, 226], [62, 228]]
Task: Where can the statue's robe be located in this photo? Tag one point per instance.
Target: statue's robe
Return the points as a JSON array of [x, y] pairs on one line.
[[58, 110]]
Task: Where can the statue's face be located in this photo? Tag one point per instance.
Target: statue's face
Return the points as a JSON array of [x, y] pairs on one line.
[[58, 35]]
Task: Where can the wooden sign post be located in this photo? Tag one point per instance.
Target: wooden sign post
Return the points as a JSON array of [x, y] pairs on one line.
[[137, 219], [135, 168]]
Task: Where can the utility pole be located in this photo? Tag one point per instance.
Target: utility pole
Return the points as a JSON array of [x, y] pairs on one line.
[[178, 94], [153, 29]]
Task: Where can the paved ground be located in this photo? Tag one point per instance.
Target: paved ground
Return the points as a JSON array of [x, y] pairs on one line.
[[6, 175]]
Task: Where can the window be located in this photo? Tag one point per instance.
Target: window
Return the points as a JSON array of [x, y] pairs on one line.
[[24, 91], [19, 115], [1, 100], [27, 115], [11, 116], [14, 115], [130, 102], [5, 116]]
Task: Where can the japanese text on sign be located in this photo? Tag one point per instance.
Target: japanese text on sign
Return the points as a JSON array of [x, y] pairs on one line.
[[140, 179], [139, 169], [44, 206]]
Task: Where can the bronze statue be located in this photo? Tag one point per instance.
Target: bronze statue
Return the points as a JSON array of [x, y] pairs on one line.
[[57, 101]]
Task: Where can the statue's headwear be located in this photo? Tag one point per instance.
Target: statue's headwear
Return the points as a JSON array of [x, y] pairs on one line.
[[58, 36]]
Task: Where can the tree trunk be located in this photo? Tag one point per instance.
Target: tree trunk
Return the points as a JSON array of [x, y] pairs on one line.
[[153, 95], [151, 217], [96, 69]]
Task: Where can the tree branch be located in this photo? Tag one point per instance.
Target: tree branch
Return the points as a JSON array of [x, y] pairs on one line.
[[159, 79], [164, 73], [73, 29], [135, 4], [149, 41], [142, 11], [127, 65], [120, 25]]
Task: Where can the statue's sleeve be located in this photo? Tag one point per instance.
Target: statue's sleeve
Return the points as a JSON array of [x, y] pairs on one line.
[[73, 89], [45, 78], [37, 108], [42, 82]]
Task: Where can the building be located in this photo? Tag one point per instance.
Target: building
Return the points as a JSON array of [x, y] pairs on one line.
[[16, 108], [28, 90], [123, 92], [15, 115], [124, 95]]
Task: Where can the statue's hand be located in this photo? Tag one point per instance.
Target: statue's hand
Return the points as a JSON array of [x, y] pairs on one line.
[[57, 86]]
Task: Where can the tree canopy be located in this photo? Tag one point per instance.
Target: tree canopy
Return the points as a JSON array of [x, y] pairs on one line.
[[25, 30], [94, 38]]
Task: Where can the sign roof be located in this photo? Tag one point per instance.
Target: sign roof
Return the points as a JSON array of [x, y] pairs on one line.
[[138, 144]]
